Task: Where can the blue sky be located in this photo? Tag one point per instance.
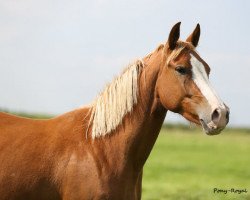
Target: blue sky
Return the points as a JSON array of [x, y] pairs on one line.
[[57, 55]]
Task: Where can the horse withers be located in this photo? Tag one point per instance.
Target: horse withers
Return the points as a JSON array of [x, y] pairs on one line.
[[98, 152]]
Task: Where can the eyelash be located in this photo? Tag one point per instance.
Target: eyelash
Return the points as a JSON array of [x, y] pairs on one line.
[[181, 70]]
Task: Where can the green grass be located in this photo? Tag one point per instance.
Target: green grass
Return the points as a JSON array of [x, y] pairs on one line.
[[28, 115], [187, 164]]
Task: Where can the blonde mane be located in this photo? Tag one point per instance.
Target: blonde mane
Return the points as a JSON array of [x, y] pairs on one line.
[[116, 100]]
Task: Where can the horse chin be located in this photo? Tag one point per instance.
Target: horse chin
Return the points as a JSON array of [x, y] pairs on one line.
[[210, 128]]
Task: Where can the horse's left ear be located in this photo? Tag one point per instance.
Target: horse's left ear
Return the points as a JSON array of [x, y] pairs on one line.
[[174, 36], [194, 37]]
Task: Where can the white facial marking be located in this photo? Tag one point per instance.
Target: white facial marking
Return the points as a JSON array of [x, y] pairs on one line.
[[201, 80]]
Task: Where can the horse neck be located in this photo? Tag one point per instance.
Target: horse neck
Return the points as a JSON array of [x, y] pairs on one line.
[[143, 125], [150, 111], [130, 145]]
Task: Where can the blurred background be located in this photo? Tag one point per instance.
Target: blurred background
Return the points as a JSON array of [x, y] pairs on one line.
[[57, 55]]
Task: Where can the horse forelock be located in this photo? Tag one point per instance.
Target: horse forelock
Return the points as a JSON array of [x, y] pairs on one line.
[[115, 101], [180, 47]]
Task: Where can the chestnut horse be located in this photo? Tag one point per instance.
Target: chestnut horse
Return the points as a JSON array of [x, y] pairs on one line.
[[98, 152]]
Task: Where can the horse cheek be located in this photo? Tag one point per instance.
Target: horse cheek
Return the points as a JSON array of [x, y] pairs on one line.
[[170, 94]]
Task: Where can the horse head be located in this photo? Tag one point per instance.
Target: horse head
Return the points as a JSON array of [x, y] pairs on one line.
[[183, 83]]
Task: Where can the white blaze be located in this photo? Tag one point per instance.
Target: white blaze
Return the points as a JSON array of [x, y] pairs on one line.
[[201, 80]]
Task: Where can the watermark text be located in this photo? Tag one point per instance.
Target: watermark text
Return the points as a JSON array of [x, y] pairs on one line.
[[231, 190]]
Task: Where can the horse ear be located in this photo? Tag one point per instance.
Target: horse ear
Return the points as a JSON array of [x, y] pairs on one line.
[[174, 36], [194, 37]]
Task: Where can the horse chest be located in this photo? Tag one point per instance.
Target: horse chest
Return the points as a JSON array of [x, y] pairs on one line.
[[84, 180]]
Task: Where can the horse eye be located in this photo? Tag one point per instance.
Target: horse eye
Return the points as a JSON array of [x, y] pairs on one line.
[[181, 70]]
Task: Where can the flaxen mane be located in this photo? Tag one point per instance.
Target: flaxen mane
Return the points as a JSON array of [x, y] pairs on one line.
[[116, 100]]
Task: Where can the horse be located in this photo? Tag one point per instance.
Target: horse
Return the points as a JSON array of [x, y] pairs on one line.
[[98, 152]]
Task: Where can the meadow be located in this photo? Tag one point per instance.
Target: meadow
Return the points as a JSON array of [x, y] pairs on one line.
[[187, 164]]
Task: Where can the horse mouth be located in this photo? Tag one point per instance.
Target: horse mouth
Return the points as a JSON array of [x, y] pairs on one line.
[[210, 128]]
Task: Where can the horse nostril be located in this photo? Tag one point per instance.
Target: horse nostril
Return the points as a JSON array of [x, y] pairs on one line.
[[227, 115], [215, 115]]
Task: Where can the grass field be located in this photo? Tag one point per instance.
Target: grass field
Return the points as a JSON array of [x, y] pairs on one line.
[[187, 164]]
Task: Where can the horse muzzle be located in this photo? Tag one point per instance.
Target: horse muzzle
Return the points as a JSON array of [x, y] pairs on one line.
[[217, 121]]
